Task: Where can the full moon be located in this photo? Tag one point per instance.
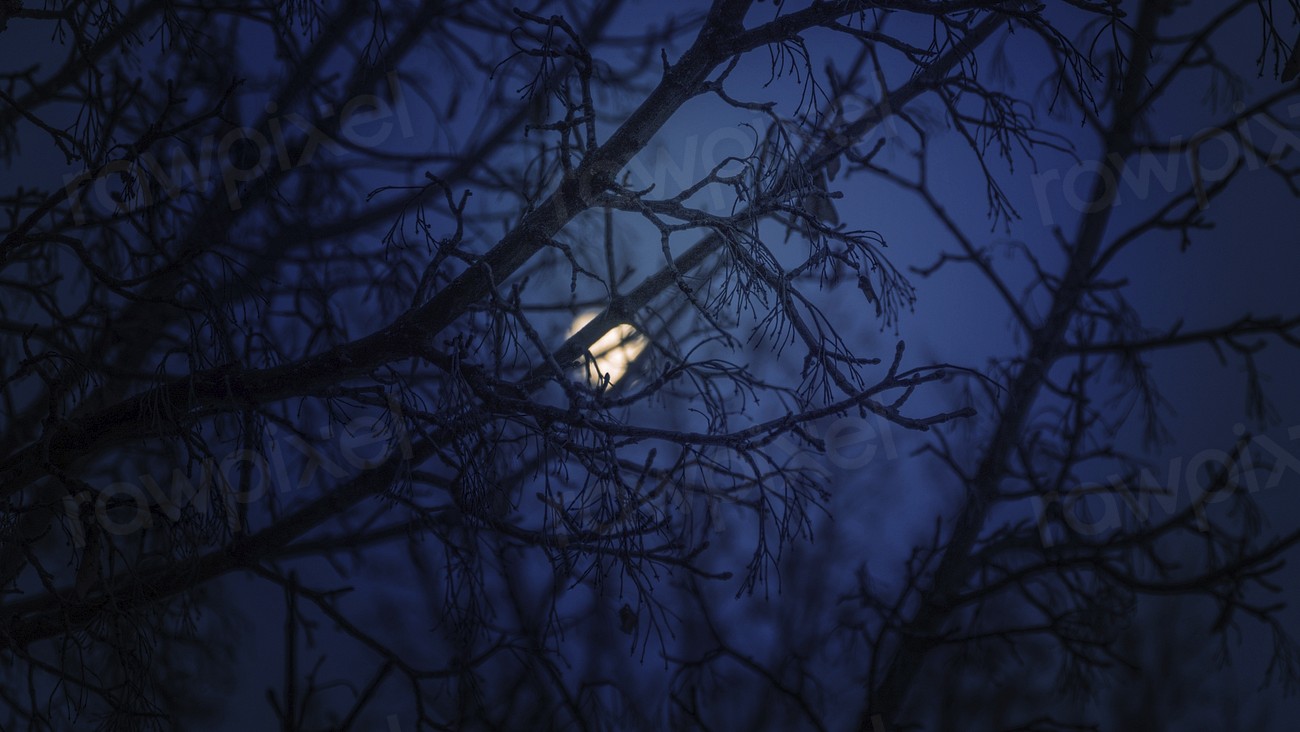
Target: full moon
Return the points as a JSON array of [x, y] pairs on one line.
[[614, 352]]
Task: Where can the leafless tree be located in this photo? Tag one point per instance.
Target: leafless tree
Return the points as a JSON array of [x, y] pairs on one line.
[[295, 358]]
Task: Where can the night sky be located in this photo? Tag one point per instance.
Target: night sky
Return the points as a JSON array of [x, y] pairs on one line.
[[884, 491]]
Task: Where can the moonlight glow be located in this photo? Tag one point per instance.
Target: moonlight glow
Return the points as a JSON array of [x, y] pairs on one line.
[[614, 352]]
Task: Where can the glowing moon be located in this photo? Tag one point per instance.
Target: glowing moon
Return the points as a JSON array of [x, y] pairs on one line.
[[613, 353]]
